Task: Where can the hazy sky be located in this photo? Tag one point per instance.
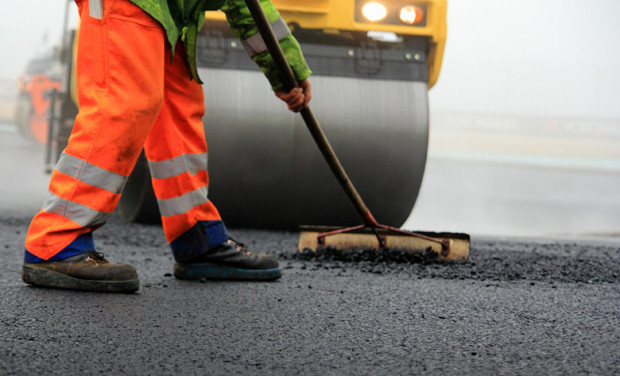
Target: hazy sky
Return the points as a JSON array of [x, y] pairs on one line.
[[532, 57], [541, 57], [23, 26]]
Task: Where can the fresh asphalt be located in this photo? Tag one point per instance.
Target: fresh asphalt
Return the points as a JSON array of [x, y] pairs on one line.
[[518, 306]]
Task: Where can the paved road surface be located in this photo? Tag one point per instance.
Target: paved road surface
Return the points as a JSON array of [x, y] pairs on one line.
[[515, 308]]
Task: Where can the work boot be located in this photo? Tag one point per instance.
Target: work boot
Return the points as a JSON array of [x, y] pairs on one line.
[[88, 271], [229, 261]]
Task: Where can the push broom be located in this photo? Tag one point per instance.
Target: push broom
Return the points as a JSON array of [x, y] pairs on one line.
[[371, 234]]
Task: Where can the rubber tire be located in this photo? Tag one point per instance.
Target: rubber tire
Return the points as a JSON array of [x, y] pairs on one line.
[[23, 111]]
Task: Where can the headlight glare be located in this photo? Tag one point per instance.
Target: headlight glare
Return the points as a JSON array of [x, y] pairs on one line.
[[374, 11], [411, 14]]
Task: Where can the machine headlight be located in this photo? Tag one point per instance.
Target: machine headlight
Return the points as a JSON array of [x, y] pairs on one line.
[[404, 13], [411, 14], [374, 11]]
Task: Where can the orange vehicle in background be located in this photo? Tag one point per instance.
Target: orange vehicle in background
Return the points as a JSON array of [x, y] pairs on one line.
[[31, 116]]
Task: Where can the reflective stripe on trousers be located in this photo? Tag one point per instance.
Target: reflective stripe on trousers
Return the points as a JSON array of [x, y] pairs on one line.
[[130, 97]]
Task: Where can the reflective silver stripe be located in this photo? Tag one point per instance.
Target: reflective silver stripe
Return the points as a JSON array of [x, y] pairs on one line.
[[91, 174], [182, 204], [83, 215], [255, 44], [168, 168], [95, 9]]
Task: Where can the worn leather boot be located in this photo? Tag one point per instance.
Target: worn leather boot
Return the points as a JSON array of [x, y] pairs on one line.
[[229, 261], [87, 272]]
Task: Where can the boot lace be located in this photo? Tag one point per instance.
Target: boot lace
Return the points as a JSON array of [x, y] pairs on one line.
[[239, 246], [95, 256]]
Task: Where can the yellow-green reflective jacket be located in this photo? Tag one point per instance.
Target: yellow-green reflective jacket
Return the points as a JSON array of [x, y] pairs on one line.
[[183, 19]]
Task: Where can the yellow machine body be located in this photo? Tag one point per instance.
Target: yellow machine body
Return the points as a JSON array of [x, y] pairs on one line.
[[339, 16]]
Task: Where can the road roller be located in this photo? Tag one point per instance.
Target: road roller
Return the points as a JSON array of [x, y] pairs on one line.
[[32, 103], [373, 64]]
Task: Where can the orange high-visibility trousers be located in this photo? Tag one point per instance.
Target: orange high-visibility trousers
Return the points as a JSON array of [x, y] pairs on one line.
[[130, 96]]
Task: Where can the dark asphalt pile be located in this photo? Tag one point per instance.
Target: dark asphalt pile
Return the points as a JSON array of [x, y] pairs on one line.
[[489, 260], [372, 256]]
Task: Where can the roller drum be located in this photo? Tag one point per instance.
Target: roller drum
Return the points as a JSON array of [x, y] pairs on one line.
[[266, 171]]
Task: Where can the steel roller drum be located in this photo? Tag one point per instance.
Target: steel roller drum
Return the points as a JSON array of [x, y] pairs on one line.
[[266, 171]]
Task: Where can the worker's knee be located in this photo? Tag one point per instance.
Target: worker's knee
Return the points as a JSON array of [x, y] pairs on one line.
[[150, 105], [139, 111]]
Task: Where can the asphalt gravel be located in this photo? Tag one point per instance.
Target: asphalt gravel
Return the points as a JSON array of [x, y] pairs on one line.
[[516, 307], [490, 260]]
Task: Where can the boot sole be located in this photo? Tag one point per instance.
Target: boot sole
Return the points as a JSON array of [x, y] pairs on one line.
[[217, 272], [48, 278]]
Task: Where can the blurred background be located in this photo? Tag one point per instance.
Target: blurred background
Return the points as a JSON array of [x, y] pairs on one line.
[[525, 117], [525, 121]]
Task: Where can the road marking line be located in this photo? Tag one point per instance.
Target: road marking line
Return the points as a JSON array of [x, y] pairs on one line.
[[7, 128], [535, 160]]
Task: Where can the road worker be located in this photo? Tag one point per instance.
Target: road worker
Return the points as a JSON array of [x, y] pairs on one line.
[[138, 87]]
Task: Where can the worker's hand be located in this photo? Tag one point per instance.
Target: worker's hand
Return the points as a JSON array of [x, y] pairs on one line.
[[297, 98]]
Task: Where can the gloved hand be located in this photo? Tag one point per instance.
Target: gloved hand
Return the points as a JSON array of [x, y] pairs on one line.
[[297, 98]]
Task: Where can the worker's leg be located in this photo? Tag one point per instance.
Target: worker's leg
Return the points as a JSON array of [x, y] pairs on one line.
[[120, 67], [176, 151]]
